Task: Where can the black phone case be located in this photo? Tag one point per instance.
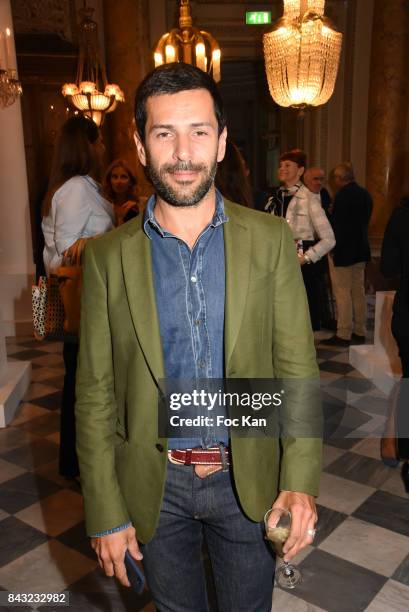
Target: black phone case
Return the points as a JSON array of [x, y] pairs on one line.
[[135, 576]]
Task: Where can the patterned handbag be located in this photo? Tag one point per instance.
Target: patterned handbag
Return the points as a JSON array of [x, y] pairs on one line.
[[48, 309]]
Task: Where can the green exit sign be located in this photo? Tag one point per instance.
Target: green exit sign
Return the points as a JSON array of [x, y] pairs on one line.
[[258, 17]]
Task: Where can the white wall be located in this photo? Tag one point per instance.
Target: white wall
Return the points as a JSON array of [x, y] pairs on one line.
[[16, 267]]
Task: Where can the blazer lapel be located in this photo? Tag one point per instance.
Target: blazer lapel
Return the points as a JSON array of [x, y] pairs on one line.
[[237, 246], [138, 276]]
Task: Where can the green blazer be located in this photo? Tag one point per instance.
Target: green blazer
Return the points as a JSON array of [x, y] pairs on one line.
[[268, 334]]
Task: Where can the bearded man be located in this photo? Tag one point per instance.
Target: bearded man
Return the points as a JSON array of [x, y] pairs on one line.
[[200, 289]]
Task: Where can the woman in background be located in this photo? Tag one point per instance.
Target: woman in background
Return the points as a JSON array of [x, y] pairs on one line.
[[120, 188], [232, 177], [311, 229], [73, 210], [394, 262]]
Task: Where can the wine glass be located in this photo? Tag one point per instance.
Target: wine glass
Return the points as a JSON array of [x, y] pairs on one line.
[[287, 575]]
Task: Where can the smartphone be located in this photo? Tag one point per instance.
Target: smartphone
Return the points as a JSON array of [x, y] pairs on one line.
[[135, 575]]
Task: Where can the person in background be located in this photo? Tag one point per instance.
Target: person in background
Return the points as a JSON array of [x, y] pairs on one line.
[[259, 196], [311, 229], [232, 177], [73, 209], [314, 179], [120, 188], [352, 210], [394, 262]]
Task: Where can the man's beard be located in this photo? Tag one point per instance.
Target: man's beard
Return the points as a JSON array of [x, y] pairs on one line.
[[177, 198]]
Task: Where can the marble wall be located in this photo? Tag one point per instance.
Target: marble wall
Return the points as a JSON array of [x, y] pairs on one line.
[[129, 59], [387, 149]]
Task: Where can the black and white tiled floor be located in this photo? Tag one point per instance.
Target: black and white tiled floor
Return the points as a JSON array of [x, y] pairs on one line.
[[360, 557]]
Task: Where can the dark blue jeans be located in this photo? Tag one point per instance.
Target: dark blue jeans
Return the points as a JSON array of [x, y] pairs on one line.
[[195, 509]]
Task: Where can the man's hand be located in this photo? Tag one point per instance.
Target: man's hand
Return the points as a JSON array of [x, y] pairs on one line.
[[110, 550], [302, 260], [303, 518]]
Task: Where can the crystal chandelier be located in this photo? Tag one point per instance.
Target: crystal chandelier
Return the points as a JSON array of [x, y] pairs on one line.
[[91, 93], [190, 45], [10, 86], [301, 55]]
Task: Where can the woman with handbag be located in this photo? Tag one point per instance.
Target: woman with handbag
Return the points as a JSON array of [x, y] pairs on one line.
[[73, 212]]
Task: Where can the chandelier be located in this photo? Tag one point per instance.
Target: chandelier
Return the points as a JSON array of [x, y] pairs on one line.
[[190, 45], [91, 93], [10, 86], [301, 55]]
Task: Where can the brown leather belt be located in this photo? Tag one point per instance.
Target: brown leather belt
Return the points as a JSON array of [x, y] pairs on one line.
[[200, 456]]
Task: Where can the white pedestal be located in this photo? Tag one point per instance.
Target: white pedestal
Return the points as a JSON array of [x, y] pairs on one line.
[[12, 389], [14, 381], [380, 361]]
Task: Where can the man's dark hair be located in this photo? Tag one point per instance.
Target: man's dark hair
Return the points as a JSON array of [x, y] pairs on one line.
[[170, 79], [295, 155]]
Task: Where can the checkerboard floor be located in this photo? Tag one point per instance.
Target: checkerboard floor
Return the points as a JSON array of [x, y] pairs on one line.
[[360, 557]]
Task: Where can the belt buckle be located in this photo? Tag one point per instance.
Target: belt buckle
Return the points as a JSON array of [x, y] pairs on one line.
[[187, 460]]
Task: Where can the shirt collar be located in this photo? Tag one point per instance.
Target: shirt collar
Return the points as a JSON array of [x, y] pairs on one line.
[[150, 221], [290, 190]]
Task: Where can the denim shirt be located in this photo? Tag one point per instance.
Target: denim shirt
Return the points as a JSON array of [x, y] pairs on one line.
[[190, 294]]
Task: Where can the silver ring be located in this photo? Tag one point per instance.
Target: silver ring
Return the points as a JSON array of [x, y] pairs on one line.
[[311, 532]]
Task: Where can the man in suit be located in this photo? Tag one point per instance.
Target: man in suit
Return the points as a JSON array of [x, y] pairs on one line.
[[201, 288], [352, 210]]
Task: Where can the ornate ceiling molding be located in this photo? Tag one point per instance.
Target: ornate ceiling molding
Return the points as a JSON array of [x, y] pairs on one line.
[[44, 17]]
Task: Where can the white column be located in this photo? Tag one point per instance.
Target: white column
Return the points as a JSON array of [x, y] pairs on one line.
[[16, 268]]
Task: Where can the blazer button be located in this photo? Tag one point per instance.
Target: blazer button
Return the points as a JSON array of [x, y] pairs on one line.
[[159, 447]]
